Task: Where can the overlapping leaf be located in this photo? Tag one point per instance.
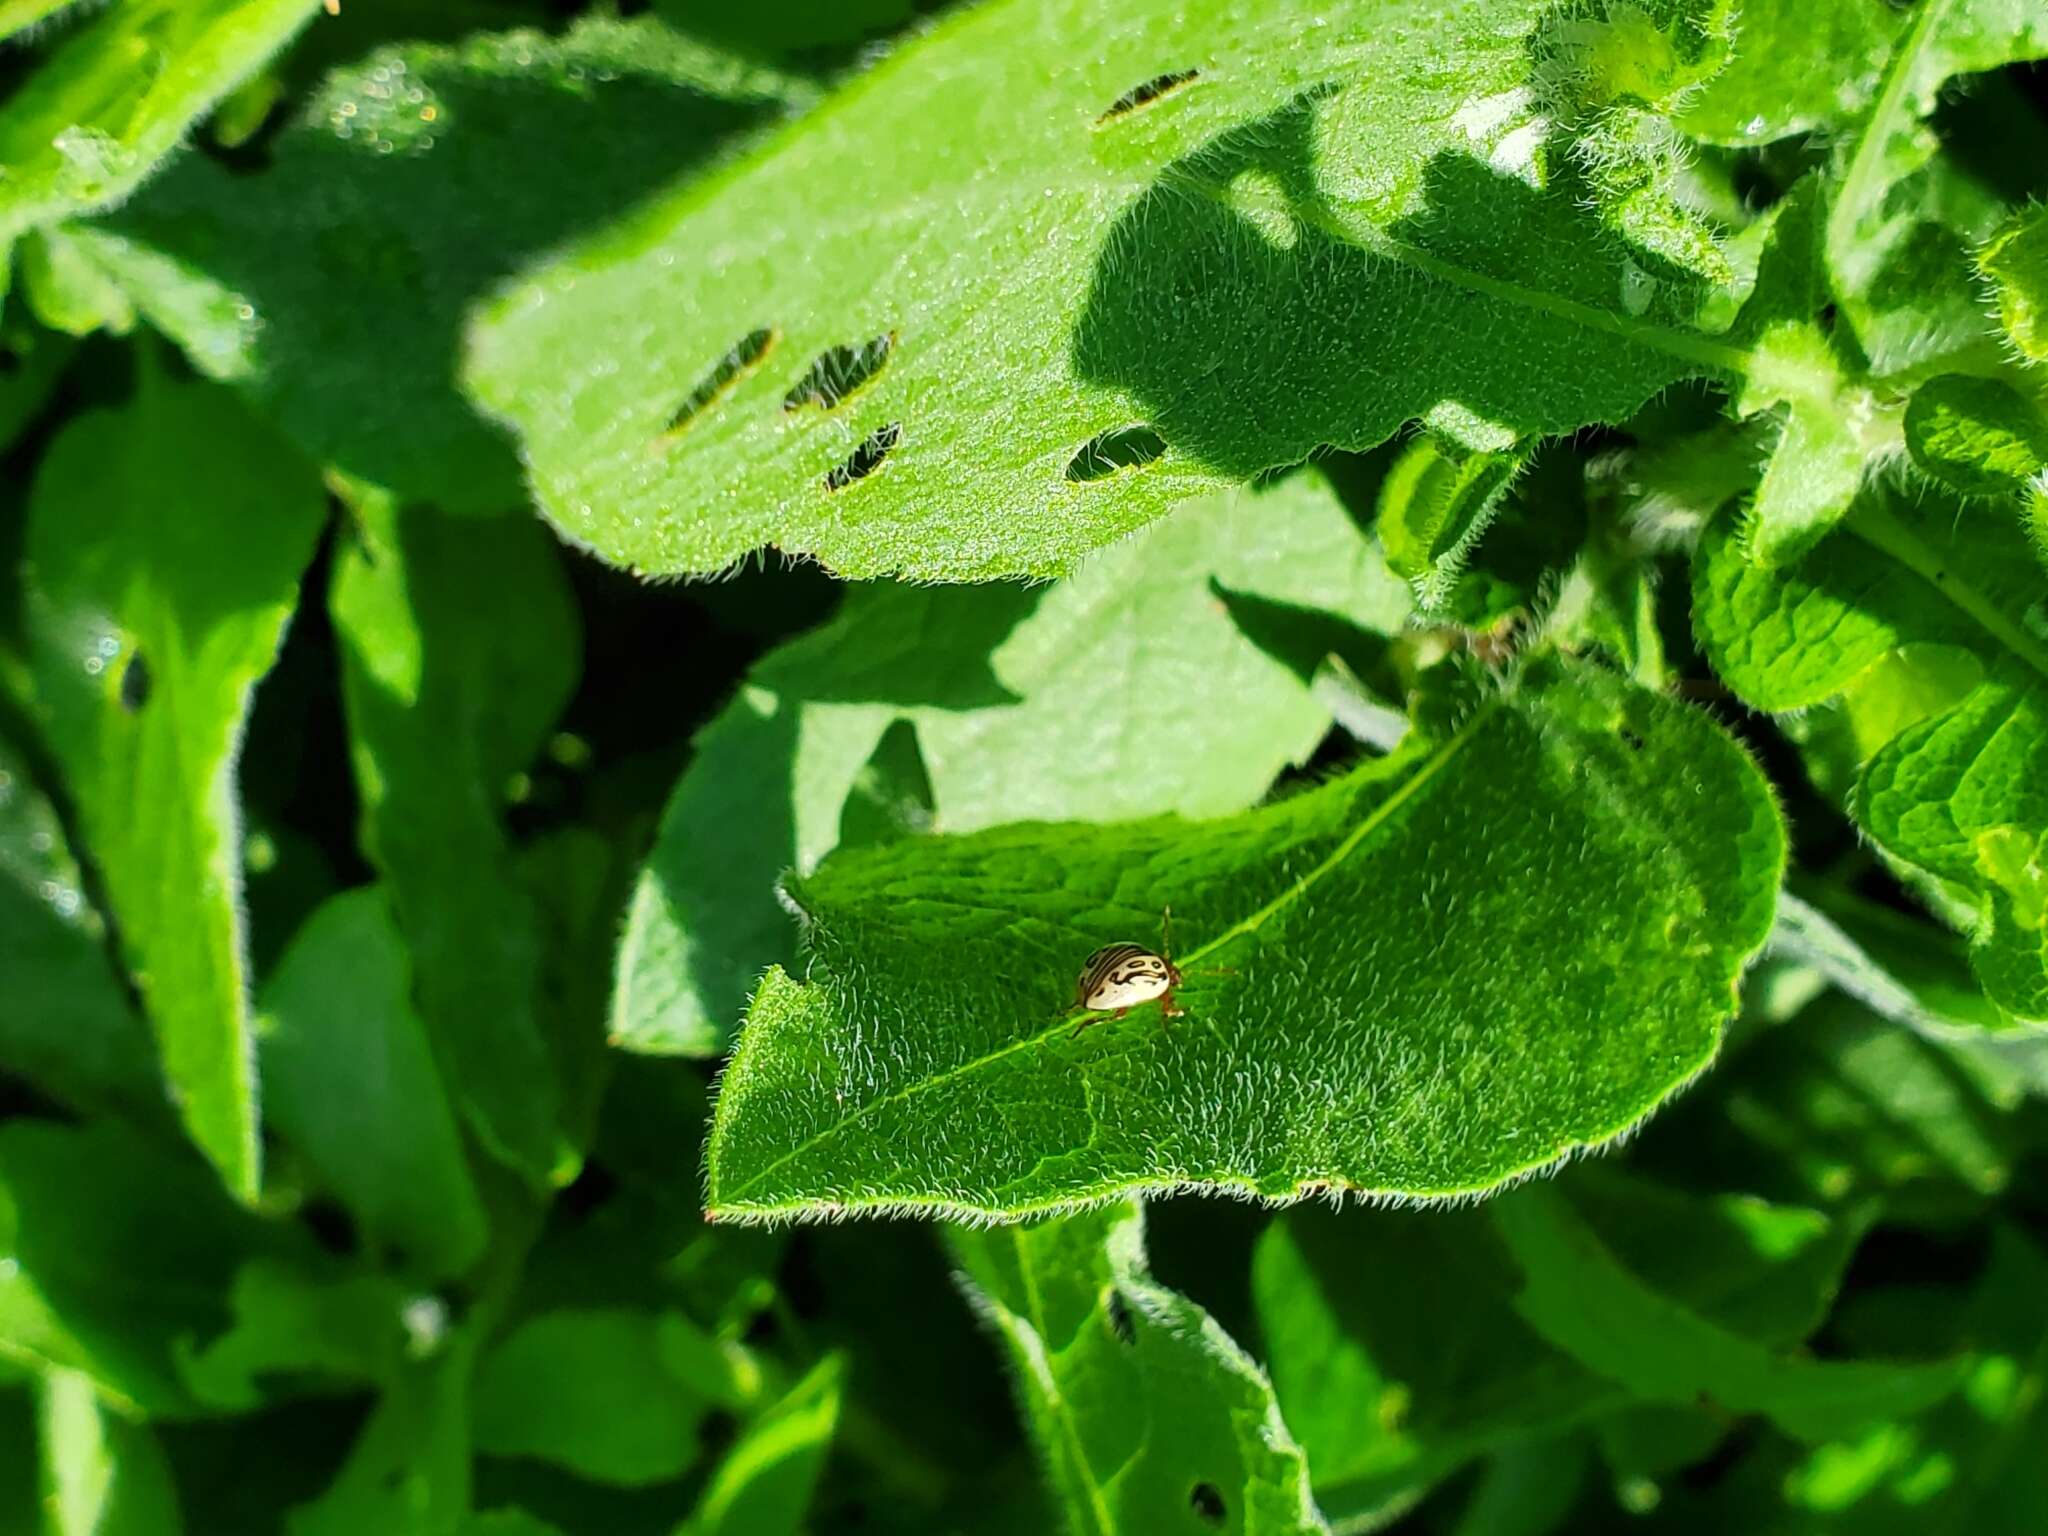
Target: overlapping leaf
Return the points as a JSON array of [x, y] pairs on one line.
[[148, 640], [1114, 258], [1146, 1415], [1125, 690], [1394, 1014]]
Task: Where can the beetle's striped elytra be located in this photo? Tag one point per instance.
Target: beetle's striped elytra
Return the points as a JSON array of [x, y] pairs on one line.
[[1118, 977]]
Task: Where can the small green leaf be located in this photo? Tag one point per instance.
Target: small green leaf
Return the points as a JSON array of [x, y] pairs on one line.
[[67, 291], [1898, 262], [84, 1212], [350, 1082], [1124, 690], [102, 1475], [763, 1485], [1113, 293], [165, 544], [409, 1470], [67, 1026], [290, 1325], [1796, 66], [118, 92], [1951, 775], [2015, 260], [1146, 1415], [1578, 1296], [1906, 970], [459, 647], [1434, 504], [1334, 1036], [413, 181], [1978, 436], [597, 1393]]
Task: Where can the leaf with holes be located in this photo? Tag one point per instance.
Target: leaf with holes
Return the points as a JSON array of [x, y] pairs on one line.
[[1126, 690], [459, 649], [148, 641], [1147, 1416], [413, 181], [1116, 257], [1373, 995], [118, 92], [1915, 617]]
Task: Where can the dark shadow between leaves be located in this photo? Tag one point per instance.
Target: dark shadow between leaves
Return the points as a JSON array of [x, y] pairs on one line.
[[1301, 638]]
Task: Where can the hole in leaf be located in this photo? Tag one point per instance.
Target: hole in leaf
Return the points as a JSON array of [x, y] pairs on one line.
[[838, 372], [1119, 448], [1635, 742], [867, 458], [725, 376], [1207, 1502], [1144, 95], [135, 683], [1118, 1315]]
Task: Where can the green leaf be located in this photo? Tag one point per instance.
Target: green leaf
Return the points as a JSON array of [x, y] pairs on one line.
[[2015, 261], [113, 1249], [1908, 971], [31, 363], [507, 1522], [67, 1026], [351, 1083], [414, 181], [118, 92], [1978, 436], [67, 291], [102, 1475], [1898, 264], [165, 543], [614, 1396], [409, 1470], [1954, 752], [18, 15], [933, 1062], [348, 1328], [459, 649], [764, 1484], [1146, 1415], [1195, 248], [1434, 505], [1122, 691], [1579, 1297], [1796, 66]]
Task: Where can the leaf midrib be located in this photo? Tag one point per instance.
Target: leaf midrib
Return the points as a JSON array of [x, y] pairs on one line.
[[1367, 824], [1889, 536]]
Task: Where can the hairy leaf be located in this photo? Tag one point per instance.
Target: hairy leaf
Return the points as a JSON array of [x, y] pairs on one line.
[[1122, 691], [1898, 260], [1433, 507], [117, 94], [1978, 436], [1146, 1415], [351, 1084], [459, 649], [148, 640], [66, 1025], [1796, 66], [1955, 774], [2015, 260], [1114, 258], [1373, 990], [411, 182]]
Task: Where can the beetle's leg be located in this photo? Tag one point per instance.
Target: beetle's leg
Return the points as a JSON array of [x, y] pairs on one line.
[[1168, 1008]]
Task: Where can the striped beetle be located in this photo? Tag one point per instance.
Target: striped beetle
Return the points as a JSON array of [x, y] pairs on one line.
[[1118, 977]]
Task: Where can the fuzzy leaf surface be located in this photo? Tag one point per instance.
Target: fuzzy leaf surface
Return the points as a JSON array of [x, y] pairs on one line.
[[2015, 261], [1917, 620], [119, 91], [1125, 690], [1146, 1415], [148, 642], [1113, 259], [1392, 1016]]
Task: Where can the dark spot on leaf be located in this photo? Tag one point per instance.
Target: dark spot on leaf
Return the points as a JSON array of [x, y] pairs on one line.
[[1144, 95], [742, 359], [836, 373], [867, 458], [135, 683], [1119, 448], [1635, 742], [1207, 1502], [1117, 1314]]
